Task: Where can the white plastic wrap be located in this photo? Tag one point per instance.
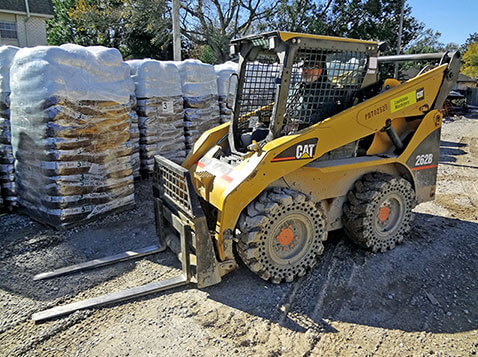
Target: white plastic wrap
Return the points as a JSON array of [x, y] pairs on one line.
[[155, 78], [71, 133], [7, 171], [199, 85], [197, 79], [223, 73], [134, 137], [6, 57], [225, 91], [73, 73], [160, 111]]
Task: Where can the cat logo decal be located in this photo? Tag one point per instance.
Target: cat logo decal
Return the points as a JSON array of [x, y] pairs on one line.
[[300, 151]]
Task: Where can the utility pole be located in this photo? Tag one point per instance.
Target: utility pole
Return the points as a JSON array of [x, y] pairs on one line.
[[176, 31], [27, 8], [399, 46]]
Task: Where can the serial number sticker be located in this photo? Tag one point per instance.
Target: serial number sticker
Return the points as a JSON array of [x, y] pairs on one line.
[[403, 101], [376, 111]]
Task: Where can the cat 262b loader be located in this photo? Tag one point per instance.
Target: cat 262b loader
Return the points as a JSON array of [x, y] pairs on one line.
[[317, 142]]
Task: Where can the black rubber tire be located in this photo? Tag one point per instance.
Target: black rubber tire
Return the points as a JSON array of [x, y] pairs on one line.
[[363, 201], [257, 226]]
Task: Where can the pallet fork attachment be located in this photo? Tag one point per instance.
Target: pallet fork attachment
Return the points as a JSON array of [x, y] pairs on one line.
[[96, 263], [177, 209]]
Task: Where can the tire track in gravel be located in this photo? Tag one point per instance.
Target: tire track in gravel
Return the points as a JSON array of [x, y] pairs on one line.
[[42, 333], [326, 288], [340, 275], [290, 300]]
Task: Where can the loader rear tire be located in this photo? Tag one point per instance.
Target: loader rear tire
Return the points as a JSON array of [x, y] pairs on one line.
[[378, 211], [281, 234]]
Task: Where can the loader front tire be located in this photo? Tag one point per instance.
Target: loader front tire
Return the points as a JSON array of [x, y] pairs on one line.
[[378, 211], [281, 234]]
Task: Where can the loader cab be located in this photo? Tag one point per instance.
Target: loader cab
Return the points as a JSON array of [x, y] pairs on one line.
[[289, 81]]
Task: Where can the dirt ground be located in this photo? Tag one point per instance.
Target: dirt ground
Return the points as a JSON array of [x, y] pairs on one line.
[[419, 299]]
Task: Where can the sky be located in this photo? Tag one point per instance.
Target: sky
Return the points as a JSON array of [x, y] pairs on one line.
[[455, 19]]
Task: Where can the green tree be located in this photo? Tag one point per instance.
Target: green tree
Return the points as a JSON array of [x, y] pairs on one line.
[[203, 53], [141, 28], [138, 28], [148, 29], [426, 42], [470, 61], [362, 19], [373, 20], [472, 38], [215, 22], [293, 15], [61, 29], [99, 22]]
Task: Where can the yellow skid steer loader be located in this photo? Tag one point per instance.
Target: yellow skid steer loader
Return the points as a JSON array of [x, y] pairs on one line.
[[317, 142]]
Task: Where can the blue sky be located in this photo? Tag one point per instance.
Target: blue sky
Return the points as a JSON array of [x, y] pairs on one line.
[[455, 19]]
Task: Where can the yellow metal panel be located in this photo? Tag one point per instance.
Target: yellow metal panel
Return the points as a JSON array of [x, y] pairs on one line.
[[288, 35], [334, 182], [231, 193], [431, 122], [379, 108], [381, 142], [206, 141]]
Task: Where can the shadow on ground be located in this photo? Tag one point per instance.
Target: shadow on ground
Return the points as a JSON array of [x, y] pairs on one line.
[[29, 248], [449, 151], [426, 284]]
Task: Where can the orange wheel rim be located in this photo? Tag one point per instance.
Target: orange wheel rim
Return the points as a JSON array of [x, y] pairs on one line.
[[286, 236], [383, 213]]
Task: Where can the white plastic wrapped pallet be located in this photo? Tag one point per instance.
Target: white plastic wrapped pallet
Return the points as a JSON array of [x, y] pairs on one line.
[[70, 132], [7, 170], [134, 136], [201, 108], [160, 111], [225, 90]]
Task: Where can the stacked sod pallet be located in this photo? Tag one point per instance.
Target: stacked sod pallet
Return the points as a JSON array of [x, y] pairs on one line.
[[7, 169], [201, 108], [226, 91], [70, 133], [160, 111], [134, 137]]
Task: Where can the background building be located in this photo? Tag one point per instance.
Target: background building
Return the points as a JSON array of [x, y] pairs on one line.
[[23, 22]]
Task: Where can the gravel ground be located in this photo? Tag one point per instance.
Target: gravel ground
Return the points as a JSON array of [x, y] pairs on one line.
[[419, 299]]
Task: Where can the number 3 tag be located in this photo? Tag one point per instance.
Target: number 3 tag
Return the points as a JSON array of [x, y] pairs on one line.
[[168, 107]]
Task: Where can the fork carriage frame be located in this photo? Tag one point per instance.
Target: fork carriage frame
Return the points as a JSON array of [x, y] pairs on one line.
[[183, 220], [177, 209]]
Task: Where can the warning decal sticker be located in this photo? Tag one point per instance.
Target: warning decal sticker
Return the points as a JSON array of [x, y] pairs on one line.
[[406, 100], [403, 101]]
